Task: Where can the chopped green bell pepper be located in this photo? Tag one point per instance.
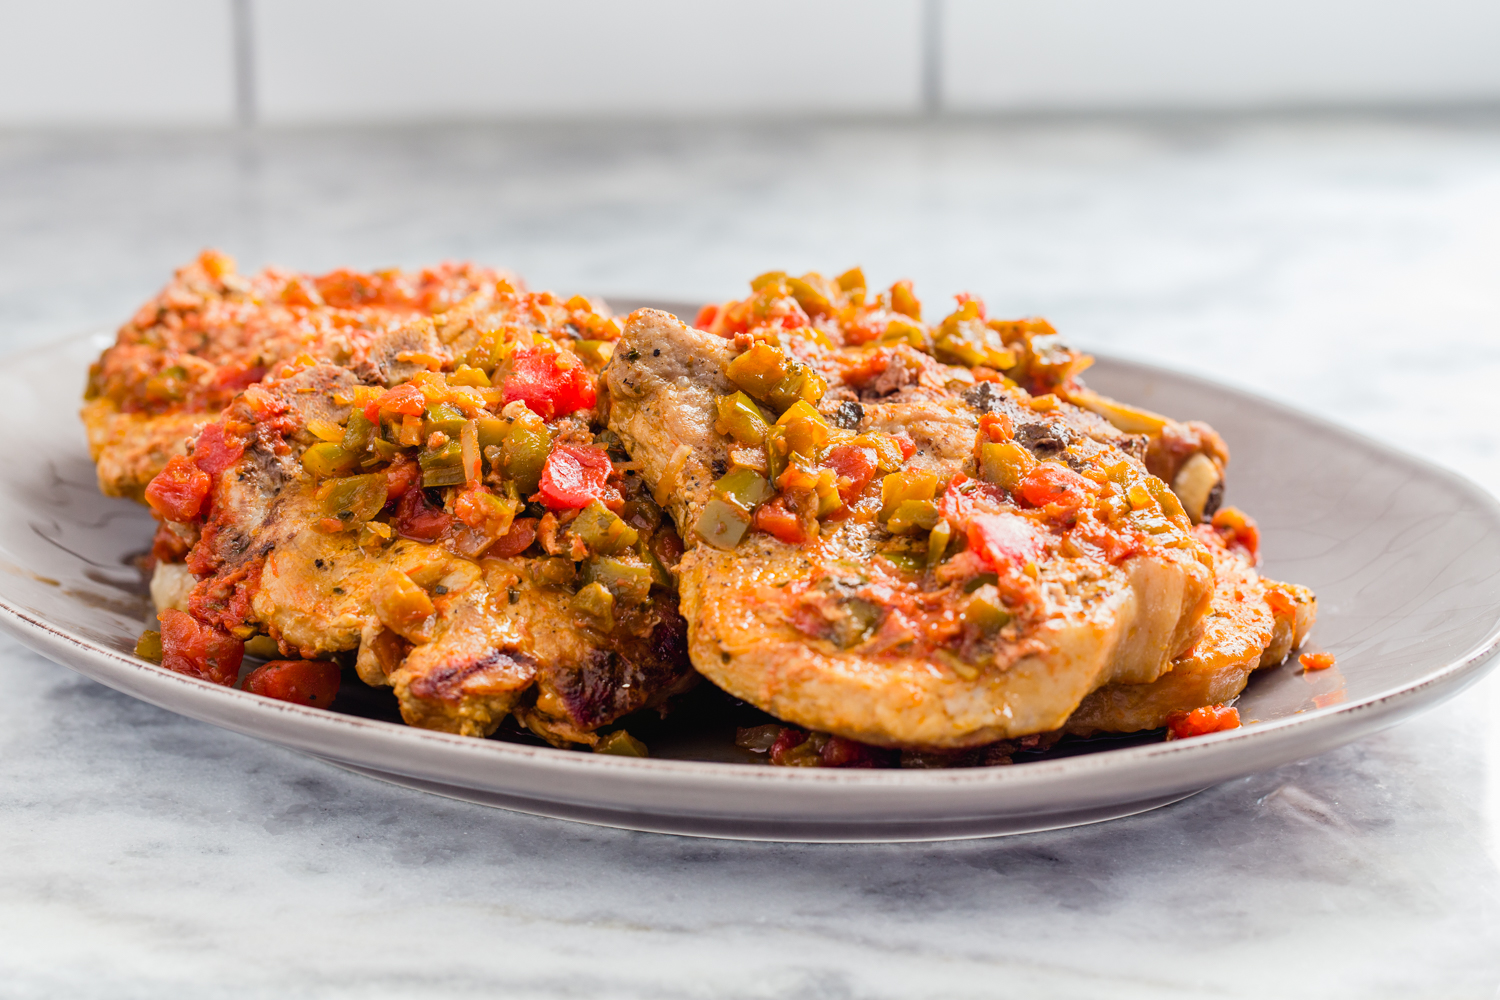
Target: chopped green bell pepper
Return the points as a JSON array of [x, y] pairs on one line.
[[963, 338], [808, 296], [937, 543], [469, 375], [770, 277], [148, 646], [1005, 464], [443, 417], [595, 352], [326, 460], [911, 516], [740, 418], [355, 499], [913, 484], [602, 530], [806, 430], [766, 374], [979, 581], [357, 433], [525, 451], [904, 302], [904, 561], [859, 619], [492, 431], [852, 280], [630, 583], [443, 466], [723, 523], [745, 488], [621, 744], [985, 611], [595, 601], [553, 571]]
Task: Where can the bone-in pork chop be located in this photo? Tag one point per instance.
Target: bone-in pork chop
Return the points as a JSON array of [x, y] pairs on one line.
[[918, 577]]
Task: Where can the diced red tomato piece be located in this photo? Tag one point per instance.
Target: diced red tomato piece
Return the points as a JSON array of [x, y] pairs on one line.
[[177, 492], [419, 520], [405, 399], [515, 541], [1238, 529], [345, 289], [1004, 541], [860, 369], [996, 427], [224, 599], [548, 390], [667, 548], [1202, 721], [1116, 545], [190, 647], [1052, 484], [168, 546], [839, 752], [213, 452], [574, 476], [788, 739], [706, 317], [302, 682], [775, 518], [855, 464], [1280, 603], [908, 446], [233, 378], [1315, 661], [400, 476]]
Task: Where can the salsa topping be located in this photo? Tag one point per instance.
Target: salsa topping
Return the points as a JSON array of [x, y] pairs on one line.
[[491, 457]]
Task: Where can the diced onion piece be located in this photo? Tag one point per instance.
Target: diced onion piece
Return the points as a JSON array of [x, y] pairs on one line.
[[1130, 419], [472, 461], [402, 606], [1194, 483]]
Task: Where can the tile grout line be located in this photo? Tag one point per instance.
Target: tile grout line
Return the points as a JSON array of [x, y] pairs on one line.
[[932, 96], [242, 40]]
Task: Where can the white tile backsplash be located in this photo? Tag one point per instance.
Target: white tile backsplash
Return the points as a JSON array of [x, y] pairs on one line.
[[132, 62], [1050, 54], [89, 62], [335, 60]]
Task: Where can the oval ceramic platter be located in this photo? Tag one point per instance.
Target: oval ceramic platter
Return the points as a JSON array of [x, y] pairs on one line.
[[1404, 557]]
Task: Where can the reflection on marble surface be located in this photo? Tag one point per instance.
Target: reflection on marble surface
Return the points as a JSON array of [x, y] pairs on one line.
[[1346, 266]]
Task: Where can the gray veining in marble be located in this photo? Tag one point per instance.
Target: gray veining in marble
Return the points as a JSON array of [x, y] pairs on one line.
[[1348, 266]]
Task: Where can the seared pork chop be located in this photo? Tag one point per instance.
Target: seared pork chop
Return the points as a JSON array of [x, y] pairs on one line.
[[481, 559], [1253, 623], [873, 345], [929, 608], [211, 332]]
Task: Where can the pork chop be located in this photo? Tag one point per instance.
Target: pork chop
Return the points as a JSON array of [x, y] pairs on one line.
[[928, 608], [211, 332], [483, 561]]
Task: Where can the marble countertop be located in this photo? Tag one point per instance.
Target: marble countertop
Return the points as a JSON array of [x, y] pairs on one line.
[[1347, 266]]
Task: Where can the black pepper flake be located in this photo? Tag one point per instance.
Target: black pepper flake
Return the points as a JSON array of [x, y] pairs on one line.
[[656, 353], [513, 594], [318, 563], [338, 590], [440, 589], [632, 355]]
